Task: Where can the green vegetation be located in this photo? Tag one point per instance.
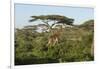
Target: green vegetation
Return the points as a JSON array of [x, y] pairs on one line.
[[74, 44]]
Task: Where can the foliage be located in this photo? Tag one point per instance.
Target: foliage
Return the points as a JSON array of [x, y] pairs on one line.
[[52, 18], [74, 46]]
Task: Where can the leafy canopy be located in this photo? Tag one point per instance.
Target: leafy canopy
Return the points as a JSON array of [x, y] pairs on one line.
[[53, 18]]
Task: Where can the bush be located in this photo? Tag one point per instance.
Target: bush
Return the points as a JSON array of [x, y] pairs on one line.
[[74, 46]]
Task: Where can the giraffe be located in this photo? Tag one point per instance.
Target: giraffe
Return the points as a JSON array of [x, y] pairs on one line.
[[54, 37]]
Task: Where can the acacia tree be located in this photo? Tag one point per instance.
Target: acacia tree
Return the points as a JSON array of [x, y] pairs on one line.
[[54, 19]]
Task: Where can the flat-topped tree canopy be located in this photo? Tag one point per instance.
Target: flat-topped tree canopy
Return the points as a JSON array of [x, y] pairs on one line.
[[67, 21], [52, 18]]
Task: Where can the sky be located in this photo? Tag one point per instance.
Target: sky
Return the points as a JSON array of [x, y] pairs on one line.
[[24, 11]]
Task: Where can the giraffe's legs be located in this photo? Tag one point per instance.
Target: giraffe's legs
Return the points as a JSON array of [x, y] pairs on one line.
[[55, 41]]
